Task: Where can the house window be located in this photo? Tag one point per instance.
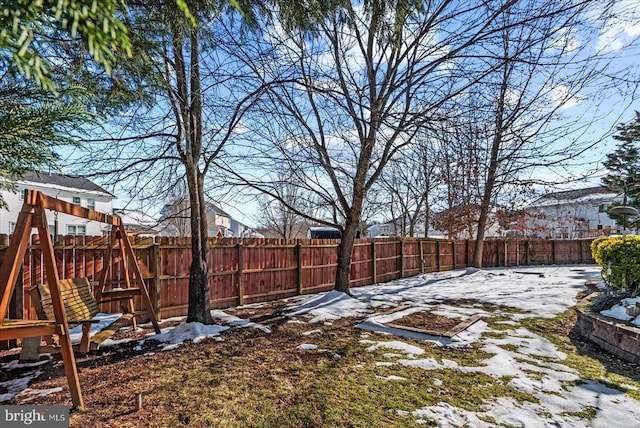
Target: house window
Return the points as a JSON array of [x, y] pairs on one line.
[[22, 193], [77, 230], [602, 208], [76, 200], [91, 203], [12, 227]]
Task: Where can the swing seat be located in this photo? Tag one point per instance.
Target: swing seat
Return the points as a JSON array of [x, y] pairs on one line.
[[81, 307]]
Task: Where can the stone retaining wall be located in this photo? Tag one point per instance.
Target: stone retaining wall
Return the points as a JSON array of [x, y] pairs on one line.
[[610, 334]]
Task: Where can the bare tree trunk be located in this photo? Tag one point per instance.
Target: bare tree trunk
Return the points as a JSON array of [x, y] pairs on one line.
[[198, 310], [343, 272]]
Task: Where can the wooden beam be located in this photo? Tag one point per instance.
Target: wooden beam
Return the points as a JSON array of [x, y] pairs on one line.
[[18, 329], [136, 269], [62, 327], [11, 264], [76, 210], [107, 263], [122, 236]]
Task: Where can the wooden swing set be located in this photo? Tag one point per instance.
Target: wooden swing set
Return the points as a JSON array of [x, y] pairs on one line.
[[32, 216]]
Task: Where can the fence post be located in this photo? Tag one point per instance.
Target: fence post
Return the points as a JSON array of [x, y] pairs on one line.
[[581, 251], [240, 283], [553, 251], [373, 262], [506, 252], [438, 256], [453, 250], [421, 256], [466, 253], [155, 291], [401, 257], [527, 253], [299, 265]]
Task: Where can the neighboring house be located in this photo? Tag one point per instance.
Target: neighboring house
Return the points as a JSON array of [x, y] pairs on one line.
[[68, 188], [382, 229], [175, 220], [241, 230], [138, 223], [571, 214]]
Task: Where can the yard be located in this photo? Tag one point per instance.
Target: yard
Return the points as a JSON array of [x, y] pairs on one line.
[[333, 360]]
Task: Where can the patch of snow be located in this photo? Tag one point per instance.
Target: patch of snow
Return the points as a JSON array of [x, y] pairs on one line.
[[425, 363], [445, 415], [392, 377], [238, 322], [307, 346], [28, 394], [396, 345], [16, 364], [16, 386], [193, 331], [619, 311], [329, 306]]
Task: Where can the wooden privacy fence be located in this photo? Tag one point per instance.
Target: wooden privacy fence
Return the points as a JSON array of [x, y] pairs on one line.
[[254, 270]]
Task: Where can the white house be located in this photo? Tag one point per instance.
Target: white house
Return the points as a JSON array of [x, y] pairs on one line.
[[68, 188], [572, 214]]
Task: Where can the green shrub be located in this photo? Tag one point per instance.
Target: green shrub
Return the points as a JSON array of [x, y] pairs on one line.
[[620, 262]]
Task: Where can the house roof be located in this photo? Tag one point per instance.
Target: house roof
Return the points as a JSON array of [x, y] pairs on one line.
[[63, 180], [136, 220], [211, 208], [585, 195]]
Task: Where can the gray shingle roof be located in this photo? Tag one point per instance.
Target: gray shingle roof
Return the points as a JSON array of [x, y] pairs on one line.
[[72, 181]]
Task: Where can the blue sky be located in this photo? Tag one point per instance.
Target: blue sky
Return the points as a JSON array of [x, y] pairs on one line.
[[600, 109]]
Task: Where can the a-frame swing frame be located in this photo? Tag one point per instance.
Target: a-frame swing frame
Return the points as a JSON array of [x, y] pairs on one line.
[[32, 216]]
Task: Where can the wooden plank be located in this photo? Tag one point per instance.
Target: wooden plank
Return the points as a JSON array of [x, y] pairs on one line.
[[110, 330], [299, 268], [57, 205], [62, 328], [240, 282], [12, 262], [18, 329], [450, 333], [143, 288]]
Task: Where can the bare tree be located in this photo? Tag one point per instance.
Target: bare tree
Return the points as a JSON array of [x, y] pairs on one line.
[[365, 81], [541, 68], [200, 97], [276, 216], [407, 185]]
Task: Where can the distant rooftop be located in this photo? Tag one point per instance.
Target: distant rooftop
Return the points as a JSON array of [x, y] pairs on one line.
[[577, 193], [575, 196], [62, 180]]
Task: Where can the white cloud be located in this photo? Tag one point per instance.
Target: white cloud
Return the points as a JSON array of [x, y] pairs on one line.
[[561, 96], [622, 28]]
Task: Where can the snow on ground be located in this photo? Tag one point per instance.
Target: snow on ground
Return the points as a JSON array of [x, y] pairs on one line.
[[327, 307], [530, 362], [527, 361]]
